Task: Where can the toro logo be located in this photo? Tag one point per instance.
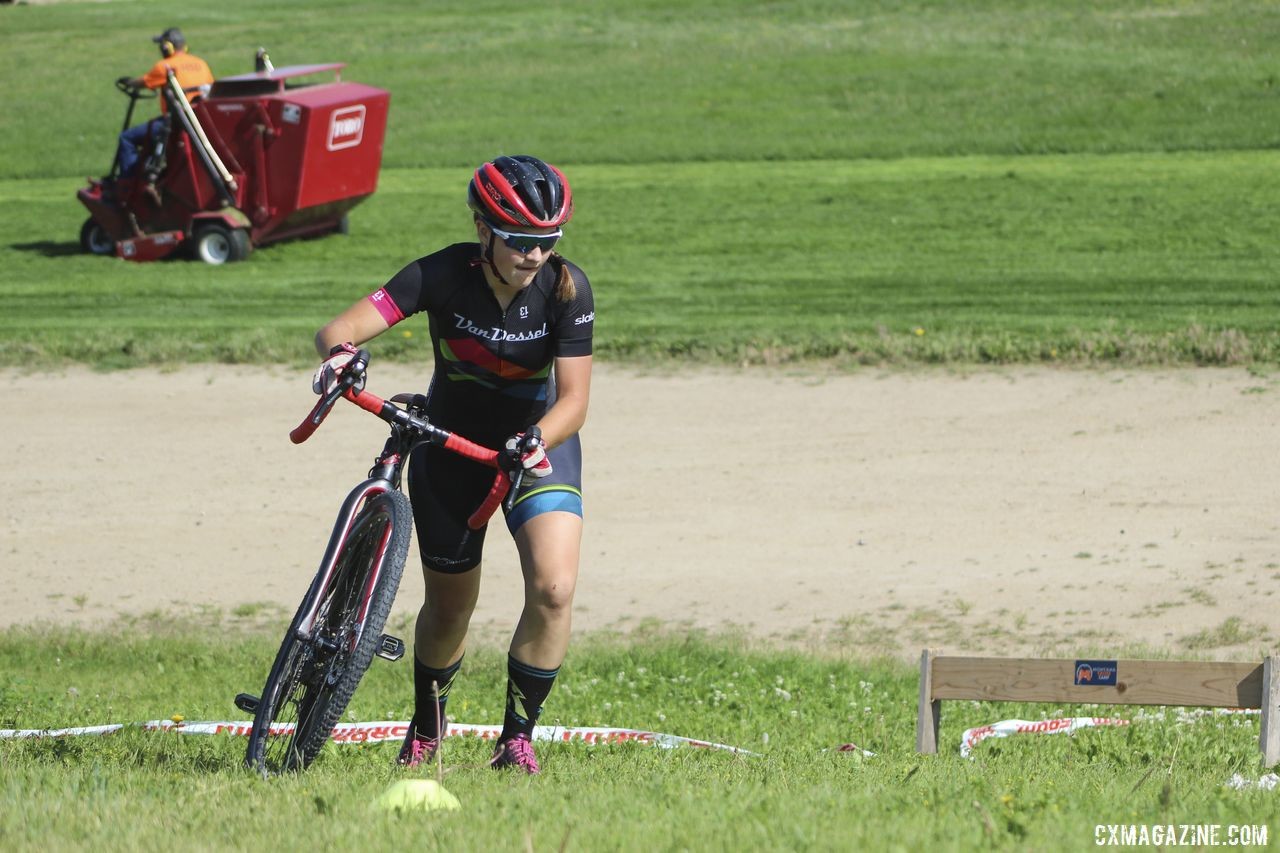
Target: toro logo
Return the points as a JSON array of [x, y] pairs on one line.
[[346, 127], [1096, 672]]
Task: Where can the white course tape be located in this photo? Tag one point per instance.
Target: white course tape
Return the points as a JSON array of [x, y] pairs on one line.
[[1268, 782], [1005, 728], [385, 731], [1062, 725]]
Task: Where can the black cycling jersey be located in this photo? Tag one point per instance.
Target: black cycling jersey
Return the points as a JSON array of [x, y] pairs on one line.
[[492, 379], [492, 367]]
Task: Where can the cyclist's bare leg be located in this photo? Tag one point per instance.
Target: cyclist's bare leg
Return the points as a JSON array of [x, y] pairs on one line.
[[441, 632], [548, 544]]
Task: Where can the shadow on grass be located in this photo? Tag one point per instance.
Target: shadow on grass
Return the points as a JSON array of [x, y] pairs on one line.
[[49, 248]]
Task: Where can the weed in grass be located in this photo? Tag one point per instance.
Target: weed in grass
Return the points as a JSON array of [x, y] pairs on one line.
[[1200, 596], [1233, 631]]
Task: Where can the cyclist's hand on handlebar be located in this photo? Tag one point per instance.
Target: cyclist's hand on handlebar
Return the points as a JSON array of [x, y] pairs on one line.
[[325, 380], [527, 451]]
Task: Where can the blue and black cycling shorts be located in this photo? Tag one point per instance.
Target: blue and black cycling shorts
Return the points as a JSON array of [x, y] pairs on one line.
[[446, 488]]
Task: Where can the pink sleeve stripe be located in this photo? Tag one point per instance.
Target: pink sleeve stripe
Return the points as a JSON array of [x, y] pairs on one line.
[[386, 306]]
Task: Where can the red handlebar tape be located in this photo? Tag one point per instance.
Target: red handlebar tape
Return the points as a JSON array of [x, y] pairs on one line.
[[463, 447], [303, 430], [498, 491]]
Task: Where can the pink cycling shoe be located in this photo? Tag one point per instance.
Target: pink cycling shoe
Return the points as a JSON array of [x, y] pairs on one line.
[[417, 750], [515, 752]]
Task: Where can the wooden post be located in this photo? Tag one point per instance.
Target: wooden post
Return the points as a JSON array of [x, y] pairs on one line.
[[929, 711], [1269, 740]]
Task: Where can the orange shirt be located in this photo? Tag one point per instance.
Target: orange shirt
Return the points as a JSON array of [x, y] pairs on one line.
[[191, 71]]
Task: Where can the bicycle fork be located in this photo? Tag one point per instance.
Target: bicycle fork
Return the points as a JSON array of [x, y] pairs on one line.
[[389, 647]]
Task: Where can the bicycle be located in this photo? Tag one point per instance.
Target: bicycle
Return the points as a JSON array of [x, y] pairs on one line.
[[337, 630]]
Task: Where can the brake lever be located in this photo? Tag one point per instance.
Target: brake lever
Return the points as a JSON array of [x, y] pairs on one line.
[[352, 377], [510, 500], [532, 435], [330, 400]]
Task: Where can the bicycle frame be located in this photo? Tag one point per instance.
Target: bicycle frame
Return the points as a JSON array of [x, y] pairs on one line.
[[407, 432]]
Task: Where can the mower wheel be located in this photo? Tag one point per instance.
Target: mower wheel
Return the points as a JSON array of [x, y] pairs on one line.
[[216, 244], [343, 227], [95, 240]]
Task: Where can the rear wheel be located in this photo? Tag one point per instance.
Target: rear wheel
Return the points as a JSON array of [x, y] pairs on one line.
[[314, 676], [95, 240], [216, 243]]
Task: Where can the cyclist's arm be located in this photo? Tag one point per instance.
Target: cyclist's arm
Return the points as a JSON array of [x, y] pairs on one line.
[[359, 323], [573, 391]]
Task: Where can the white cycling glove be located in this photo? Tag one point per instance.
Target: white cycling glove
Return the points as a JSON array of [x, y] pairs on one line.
[[530, 453], [330, 370]]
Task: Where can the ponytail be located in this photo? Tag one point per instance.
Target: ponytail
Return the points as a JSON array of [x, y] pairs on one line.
[[566, 289]]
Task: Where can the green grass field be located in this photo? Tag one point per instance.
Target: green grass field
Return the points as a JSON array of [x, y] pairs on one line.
[[757, 182], [1009, 181], [137, 790]]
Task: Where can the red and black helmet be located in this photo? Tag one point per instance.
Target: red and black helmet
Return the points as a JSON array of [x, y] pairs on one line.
[[520, 191]]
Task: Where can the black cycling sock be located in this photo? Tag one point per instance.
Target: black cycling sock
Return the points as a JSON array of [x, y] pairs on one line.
[[527, 689], [427, 712]]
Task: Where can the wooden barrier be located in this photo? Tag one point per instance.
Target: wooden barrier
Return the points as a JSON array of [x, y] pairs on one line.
[[1209, 684]]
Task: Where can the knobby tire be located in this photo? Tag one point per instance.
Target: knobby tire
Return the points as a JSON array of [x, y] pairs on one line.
[[313, 680]]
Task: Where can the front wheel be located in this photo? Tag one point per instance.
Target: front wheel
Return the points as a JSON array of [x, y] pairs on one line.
[[217, 243], [316, 673], [95, 240]]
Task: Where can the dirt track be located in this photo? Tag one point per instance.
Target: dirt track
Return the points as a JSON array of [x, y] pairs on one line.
[[999, 512]]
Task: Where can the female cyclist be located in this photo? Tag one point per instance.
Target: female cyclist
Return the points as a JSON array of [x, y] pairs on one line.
[[511, 324]]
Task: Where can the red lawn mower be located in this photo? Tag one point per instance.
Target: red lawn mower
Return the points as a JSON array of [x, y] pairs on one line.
[[263, 157]]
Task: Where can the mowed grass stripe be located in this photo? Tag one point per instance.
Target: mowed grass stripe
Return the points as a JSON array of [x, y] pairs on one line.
[[1145, 258], [671, 81]]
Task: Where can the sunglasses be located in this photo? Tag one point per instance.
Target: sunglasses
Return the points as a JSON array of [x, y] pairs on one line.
[[525, 243]]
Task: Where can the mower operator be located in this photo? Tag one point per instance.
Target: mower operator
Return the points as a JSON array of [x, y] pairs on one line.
[[193, 75], [511, 323]]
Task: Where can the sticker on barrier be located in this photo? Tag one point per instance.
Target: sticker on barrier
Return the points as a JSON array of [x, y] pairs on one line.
[[359, 733]]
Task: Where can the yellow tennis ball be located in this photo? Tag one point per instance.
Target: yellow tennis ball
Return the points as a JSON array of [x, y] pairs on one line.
[[417, 795]]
